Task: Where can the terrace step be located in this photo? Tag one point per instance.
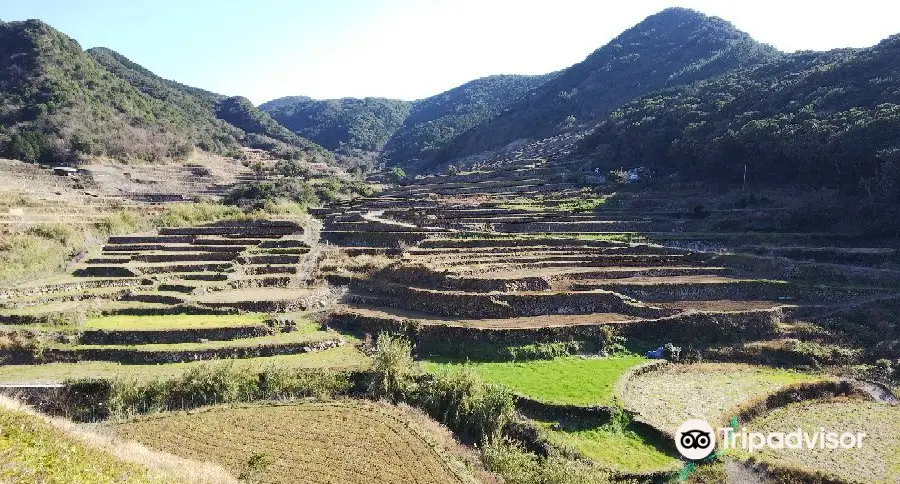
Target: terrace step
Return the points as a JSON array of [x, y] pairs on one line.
[[105, 271], [183, 268], [108, 260], [227, 242], [153, 354], [187, 257], [153, 298], [202, 277], [149, 239], [273, 269], [171, 335], [272, 259], [172, 248], [182, 288], [376, 313], [283, 244], [471, 305]]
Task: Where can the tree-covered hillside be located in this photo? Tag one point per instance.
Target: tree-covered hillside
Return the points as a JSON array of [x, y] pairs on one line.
[[342, 125], [57, 103], [674, 47], [60, 104], [261, 129], [434, 122], [405, 133], [812, 119], [230, 120]]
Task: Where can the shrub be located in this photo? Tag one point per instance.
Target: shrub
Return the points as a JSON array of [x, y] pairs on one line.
[[22, 344], [393, 366], [257, 195], [500, 352], [188, 214], [209, 384], [397, 175], [610, 342], [278, 383], [518, 466], [63, 234], [461, 400], [121, 222], [37, 251]]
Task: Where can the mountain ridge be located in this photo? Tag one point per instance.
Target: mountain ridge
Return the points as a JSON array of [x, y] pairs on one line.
[[61, 104], [399, 130], [694, 46]]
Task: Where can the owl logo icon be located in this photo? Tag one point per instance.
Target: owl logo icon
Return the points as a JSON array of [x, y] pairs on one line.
[[695, 439]]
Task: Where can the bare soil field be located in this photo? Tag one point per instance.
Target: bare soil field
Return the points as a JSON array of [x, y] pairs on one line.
[[339, 442]]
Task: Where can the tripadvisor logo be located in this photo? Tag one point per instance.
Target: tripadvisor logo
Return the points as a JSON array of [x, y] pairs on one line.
[[696, 440]]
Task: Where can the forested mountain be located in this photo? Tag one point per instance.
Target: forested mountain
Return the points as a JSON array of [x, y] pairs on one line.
[[234, 117], [810, 118], [59, 104], [404, 132], [674, 47], [434, 122], [341, 125]]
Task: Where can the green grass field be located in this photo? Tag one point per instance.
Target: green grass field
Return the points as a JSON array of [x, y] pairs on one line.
[[343, 357], [32, 450], [627, 451], [180, 321], [569, 380]]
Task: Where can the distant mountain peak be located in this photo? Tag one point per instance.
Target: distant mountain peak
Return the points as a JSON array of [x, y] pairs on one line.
[[673, 47]]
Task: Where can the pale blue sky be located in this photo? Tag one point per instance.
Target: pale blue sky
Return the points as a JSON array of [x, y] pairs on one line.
[[408, 49]]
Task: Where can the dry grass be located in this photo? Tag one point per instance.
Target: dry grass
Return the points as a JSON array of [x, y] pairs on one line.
[[877, 461], [339, 261], [667, 396], [66, 452]]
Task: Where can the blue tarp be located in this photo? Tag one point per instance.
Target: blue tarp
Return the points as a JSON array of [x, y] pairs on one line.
[[655, 354]]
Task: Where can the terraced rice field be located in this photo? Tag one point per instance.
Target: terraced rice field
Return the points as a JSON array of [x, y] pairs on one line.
[[566, 381], [340, 442], [341, 358], [668, 396], [876, 461], [628, 450], [175, 321], [514, 253]]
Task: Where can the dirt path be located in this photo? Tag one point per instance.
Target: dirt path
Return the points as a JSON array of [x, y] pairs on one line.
[[377, 216], [309, 263]]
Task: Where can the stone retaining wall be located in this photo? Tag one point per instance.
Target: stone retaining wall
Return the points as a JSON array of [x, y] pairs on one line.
[[166, 269], [187, 257], [372, 239], [740, 290], [692, 328], [105, 271], [150, 239], [479, 305], [134, 356], [70, 286], [171, 336]]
